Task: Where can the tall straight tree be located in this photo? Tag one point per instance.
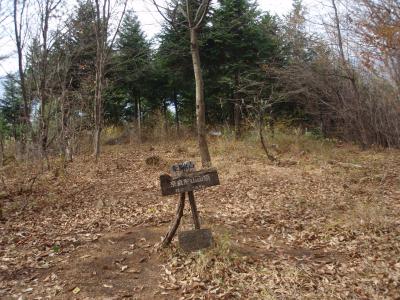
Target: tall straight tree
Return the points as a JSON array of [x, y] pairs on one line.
[[47, 9], [194, 13], [102, 27], [19, 13]]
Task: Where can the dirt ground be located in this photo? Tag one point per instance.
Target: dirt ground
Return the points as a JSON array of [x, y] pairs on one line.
[[315, 226]]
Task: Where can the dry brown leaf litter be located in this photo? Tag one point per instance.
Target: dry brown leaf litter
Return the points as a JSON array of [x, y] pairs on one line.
[[319, 229]]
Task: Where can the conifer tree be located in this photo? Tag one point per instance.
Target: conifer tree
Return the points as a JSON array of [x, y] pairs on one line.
[[11, 107]]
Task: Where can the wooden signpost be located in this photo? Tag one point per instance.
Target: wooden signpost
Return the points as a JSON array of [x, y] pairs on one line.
[[184, 180], [188, 182]]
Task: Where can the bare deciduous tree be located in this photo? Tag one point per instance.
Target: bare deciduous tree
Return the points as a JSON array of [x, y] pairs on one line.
[[378, 26], [19, 12], [46, 8], [350, 74], [3, 13], [103, 14]]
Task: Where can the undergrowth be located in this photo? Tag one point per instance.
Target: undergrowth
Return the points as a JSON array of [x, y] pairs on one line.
[[221, 272]]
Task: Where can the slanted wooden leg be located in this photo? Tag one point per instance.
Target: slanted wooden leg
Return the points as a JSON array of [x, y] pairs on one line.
[[175, 224], [193, 208]]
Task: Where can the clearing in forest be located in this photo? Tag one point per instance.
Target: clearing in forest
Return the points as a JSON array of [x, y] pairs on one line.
[[325, 225]]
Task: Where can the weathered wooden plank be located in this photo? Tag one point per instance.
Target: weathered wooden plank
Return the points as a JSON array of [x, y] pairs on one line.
[[194, 240], [188, 182]]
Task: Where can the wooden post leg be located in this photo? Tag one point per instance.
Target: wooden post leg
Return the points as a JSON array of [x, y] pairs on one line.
[[175, 224], [193, 208]]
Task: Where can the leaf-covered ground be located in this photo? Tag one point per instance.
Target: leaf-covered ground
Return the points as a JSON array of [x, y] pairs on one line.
[[326, 227]]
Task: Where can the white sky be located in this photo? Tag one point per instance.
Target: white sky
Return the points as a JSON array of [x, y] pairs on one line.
[[149, 19]]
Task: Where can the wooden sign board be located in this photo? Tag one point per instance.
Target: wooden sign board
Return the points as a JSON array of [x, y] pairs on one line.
[[188, 182], [194, 240]]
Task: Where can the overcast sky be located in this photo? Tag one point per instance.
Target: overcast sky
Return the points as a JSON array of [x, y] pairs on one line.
[[149, 19]]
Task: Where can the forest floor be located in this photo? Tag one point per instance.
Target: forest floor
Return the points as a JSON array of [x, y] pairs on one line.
[[323, 224]]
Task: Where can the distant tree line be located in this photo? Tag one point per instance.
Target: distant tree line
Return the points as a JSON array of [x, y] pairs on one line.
[[97, 68]]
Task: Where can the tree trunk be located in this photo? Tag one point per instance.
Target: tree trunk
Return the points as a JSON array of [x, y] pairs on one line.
[[97, 108], [200, 105], [133, 134], [1, 150], [97, 113], [237, 107], [261, 133], [66, 149], [339, 33], [43, 83], [43, 127], [176, 112], [138, 119], [96, 142], [63, 138], [100, 61], [237, 119], [25, 113], [135, 107], [271, 122], [165, 112]]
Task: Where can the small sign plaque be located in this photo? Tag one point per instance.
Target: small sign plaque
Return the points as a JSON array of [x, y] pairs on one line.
[[182, 168]]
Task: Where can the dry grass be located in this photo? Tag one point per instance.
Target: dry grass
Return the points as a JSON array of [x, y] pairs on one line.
[[284, 144], [221, 272]]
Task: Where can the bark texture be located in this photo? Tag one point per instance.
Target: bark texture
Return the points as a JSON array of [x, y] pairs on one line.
[[200, 105]]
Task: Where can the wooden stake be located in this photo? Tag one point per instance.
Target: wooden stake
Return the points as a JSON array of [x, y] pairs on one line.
[[175, 224], [193, 208]]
